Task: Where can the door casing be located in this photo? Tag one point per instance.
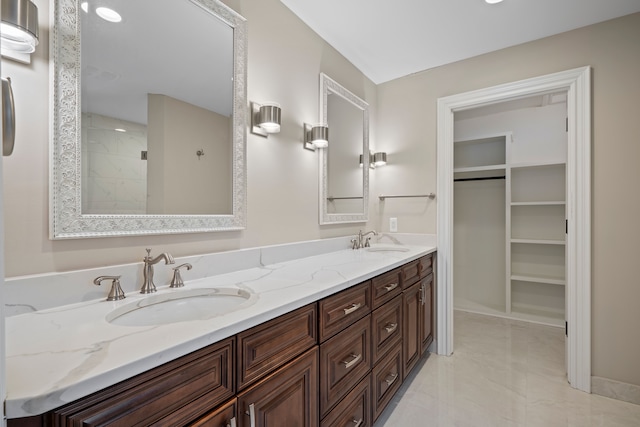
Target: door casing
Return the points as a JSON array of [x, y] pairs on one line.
[[577, 84]]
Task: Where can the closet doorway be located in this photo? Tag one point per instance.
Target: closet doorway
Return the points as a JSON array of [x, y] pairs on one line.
[[528, 191]]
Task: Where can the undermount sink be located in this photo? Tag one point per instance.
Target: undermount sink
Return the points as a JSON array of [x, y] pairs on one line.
[[387, 248], [181, 306]]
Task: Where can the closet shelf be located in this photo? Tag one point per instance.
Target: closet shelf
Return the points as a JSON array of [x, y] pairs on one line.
[[480, 168], [539, 241], [539, 279], [541, 203], [525, 165]]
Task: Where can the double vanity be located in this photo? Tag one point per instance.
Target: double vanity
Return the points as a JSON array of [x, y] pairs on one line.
[[321, 340], [303, 334]]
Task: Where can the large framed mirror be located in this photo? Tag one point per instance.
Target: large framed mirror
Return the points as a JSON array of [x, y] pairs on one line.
[[344, 164], [149, 116]]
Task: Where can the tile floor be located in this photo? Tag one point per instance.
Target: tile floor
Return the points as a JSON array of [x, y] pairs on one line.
[[502, 373]]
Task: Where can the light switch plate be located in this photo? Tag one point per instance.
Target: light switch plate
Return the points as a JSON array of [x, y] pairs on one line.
[[393, 225]]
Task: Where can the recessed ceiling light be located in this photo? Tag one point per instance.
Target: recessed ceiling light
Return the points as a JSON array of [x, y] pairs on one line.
[[493, 1], [120, 130], [108, 14], [85, 6]]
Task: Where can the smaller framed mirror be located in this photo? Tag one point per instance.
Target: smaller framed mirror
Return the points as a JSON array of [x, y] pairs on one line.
[[344, 164]]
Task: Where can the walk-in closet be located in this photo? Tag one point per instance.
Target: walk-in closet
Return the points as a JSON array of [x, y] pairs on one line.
[[510, 209]]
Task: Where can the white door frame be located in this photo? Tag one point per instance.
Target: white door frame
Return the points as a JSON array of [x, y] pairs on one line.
[[577, 83]]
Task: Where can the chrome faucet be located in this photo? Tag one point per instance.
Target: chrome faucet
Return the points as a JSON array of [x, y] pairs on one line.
[[148, 286], [360, 241]]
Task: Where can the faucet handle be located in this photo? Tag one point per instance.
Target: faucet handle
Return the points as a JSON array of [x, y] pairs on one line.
[[177, 281], [116, 293], [367, 242], [354, 244]]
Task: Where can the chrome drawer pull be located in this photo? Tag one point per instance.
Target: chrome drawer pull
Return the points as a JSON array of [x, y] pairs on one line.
[[391, 327], [351, 309], [391, 287], [357, 423], [391, 379], [232, 422], [252, 415], [354, 359]]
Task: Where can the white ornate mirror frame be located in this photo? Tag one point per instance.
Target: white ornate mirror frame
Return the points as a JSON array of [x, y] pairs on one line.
[[65, 216], [330, 86]]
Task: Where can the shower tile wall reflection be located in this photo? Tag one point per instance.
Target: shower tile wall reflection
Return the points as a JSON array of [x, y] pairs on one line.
[[114, 176]]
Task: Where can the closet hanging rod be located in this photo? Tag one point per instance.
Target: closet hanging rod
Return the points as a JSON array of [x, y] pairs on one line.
[[430, 195], [331, 198], [481, 178]]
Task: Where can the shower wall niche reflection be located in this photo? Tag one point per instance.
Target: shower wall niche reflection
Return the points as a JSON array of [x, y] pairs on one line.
[[114, 175], [132, 168]]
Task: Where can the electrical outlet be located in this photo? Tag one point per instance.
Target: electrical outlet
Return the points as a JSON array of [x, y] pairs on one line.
[[393, 225]]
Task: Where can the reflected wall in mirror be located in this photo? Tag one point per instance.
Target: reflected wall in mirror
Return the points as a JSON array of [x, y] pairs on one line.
[[149, 118], [344, 189]]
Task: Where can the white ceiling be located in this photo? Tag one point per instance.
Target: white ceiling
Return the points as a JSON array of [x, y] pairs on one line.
[[388, 39], [124, 62]]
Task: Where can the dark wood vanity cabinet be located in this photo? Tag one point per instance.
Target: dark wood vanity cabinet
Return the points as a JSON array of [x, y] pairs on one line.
[[222, 416], [417, 309], [173, 394], [286, 398], [270, 345], [337, 362]]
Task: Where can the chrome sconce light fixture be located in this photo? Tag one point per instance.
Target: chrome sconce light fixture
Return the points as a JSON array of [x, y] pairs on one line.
[[19, 29], [265, 118], [315, 136], [380, 159], [375, 159]]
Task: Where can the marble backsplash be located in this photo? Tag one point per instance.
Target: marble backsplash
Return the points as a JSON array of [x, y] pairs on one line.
[[25, 294]]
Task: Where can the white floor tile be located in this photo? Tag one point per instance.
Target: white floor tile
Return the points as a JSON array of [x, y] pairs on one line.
[[502, 373]]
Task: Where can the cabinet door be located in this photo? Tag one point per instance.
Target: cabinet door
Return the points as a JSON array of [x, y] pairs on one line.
[[426, 313], [286, 398], [223, 416], [410, 327]]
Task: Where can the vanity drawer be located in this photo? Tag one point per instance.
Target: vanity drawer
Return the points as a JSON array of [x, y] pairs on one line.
[[385, 287], [171, 395], [344, 360], [342, 309], [410, 273], [219, 417], [270, 345], [386, 378], [386, 328], [426, 265], [354, 410]]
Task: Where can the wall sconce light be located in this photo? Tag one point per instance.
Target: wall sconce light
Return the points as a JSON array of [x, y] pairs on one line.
[[370, 160], [380, 159], [375, 160], [265, 118], [316, 136], [19, 29]]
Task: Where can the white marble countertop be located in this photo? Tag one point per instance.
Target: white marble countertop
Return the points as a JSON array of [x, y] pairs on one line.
[[58, 355]]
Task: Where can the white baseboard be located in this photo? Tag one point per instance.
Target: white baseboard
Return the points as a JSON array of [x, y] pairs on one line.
[[615, 389]]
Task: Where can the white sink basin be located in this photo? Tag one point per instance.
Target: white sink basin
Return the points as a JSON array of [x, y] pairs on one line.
[[387, 248], [181, 306]]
